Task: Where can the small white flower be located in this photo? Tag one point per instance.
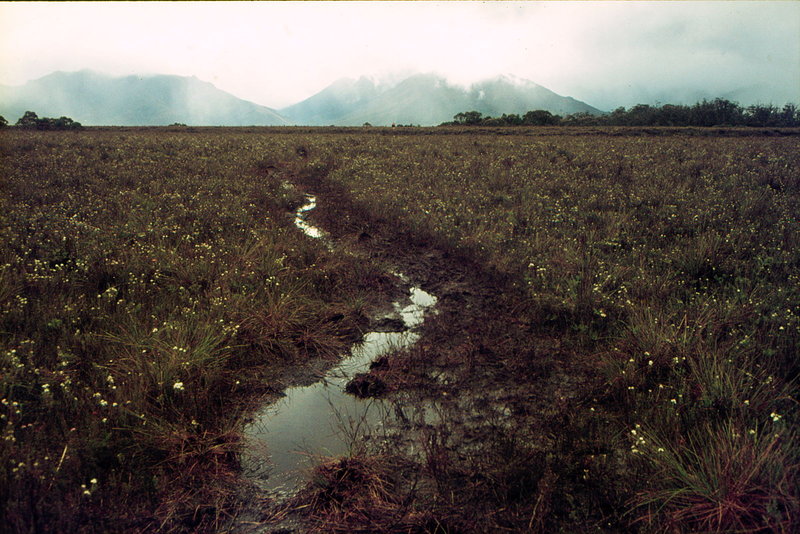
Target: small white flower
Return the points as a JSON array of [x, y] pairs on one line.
[[775, 417], [178, 386]]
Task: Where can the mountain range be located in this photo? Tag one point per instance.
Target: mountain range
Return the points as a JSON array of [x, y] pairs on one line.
[[424, 99], [96, 99]]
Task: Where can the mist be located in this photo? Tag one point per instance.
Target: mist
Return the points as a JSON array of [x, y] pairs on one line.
[[275, 54]]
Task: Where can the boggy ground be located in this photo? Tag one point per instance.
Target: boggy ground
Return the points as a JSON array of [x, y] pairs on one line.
[[153, 287], [516, 446]]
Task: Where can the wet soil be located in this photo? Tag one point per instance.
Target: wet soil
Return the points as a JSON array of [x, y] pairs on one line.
[[514, 443]]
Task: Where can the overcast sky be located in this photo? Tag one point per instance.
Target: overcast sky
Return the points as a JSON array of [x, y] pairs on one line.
[[607, 54]]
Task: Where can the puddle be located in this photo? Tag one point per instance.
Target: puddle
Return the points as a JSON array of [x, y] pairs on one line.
[[300, 219], [288, 438]]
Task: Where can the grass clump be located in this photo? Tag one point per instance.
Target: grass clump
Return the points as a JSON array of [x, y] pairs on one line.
[[152, 285], [151, 282], [666, 265]]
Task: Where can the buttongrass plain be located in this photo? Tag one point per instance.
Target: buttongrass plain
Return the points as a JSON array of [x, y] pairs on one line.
[[669, 261], [152, 285]]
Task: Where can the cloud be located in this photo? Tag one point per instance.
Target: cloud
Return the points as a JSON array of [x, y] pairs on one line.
[[276, 53]]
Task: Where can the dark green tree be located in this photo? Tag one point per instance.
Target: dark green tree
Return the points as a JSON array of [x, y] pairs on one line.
[[468, 117], [31, 120], [28, 120], [3, 122], [540, 117], [511, 119], [790, 116], [763, 115]]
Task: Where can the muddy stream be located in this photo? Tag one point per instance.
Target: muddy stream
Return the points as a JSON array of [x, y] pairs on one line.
[[286, 439]]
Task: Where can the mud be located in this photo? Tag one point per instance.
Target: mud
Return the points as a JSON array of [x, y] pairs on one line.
[[481, 374]]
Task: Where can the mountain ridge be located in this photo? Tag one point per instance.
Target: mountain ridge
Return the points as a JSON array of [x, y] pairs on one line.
[[427, 99], [93, 98]]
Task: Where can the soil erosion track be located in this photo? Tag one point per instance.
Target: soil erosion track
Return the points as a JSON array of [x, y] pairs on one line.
[[515, 443]]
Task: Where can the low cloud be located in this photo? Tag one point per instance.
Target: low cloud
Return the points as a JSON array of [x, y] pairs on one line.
[[277, 53]]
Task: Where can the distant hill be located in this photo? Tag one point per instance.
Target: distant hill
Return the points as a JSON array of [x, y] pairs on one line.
[[339, 99], [426, 99], [96, 99]]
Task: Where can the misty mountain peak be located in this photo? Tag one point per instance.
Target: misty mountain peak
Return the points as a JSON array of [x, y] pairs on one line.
[[426, 99], [93, 98]]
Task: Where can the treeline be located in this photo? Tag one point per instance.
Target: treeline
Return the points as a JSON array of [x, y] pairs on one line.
[[717, 112], [32, 121]]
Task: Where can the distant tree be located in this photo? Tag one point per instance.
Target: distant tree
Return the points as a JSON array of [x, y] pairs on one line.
[[367, 125], [540, 117], [511, 119], [718, 112], [28, 120], [642, 115], [672, 115], [790, 116], [65, 123], [32, 121], [468, 117], [618, 117], [762, 115], [582, 118], [3, 122]]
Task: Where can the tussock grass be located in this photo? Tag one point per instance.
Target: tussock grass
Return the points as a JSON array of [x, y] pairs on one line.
[[151, 285], [669, 264]]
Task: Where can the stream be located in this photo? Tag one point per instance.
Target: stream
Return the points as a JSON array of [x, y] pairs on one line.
[[287, 439]]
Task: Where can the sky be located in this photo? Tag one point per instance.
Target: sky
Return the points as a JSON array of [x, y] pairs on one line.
[[608, 54]]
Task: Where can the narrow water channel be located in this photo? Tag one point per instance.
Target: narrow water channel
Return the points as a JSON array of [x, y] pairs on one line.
[[288, 438]]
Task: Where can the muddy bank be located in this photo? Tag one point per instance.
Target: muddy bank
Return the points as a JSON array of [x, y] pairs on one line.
[[515, 444], [289, 437], [329, 410]]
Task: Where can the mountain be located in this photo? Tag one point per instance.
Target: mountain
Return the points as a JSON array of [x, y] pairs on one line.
[[96, 99], [426, 99], [339, 99]]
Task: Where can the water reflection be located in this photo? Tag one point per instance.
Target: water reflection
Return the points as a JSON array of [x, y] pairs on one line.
[[288, 438], [300, 220], [321, 420]]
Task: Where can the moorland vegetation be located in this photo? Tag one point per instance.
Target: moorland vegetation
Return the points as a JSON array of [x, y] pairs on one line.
[[152, 285], [670, 267], [150, 289]]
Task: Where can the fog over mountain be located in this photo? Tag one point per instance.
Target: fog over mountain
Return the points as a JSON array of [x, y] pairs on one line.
[[276, 54], [426, 99], [421, 99], [96, 99]]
